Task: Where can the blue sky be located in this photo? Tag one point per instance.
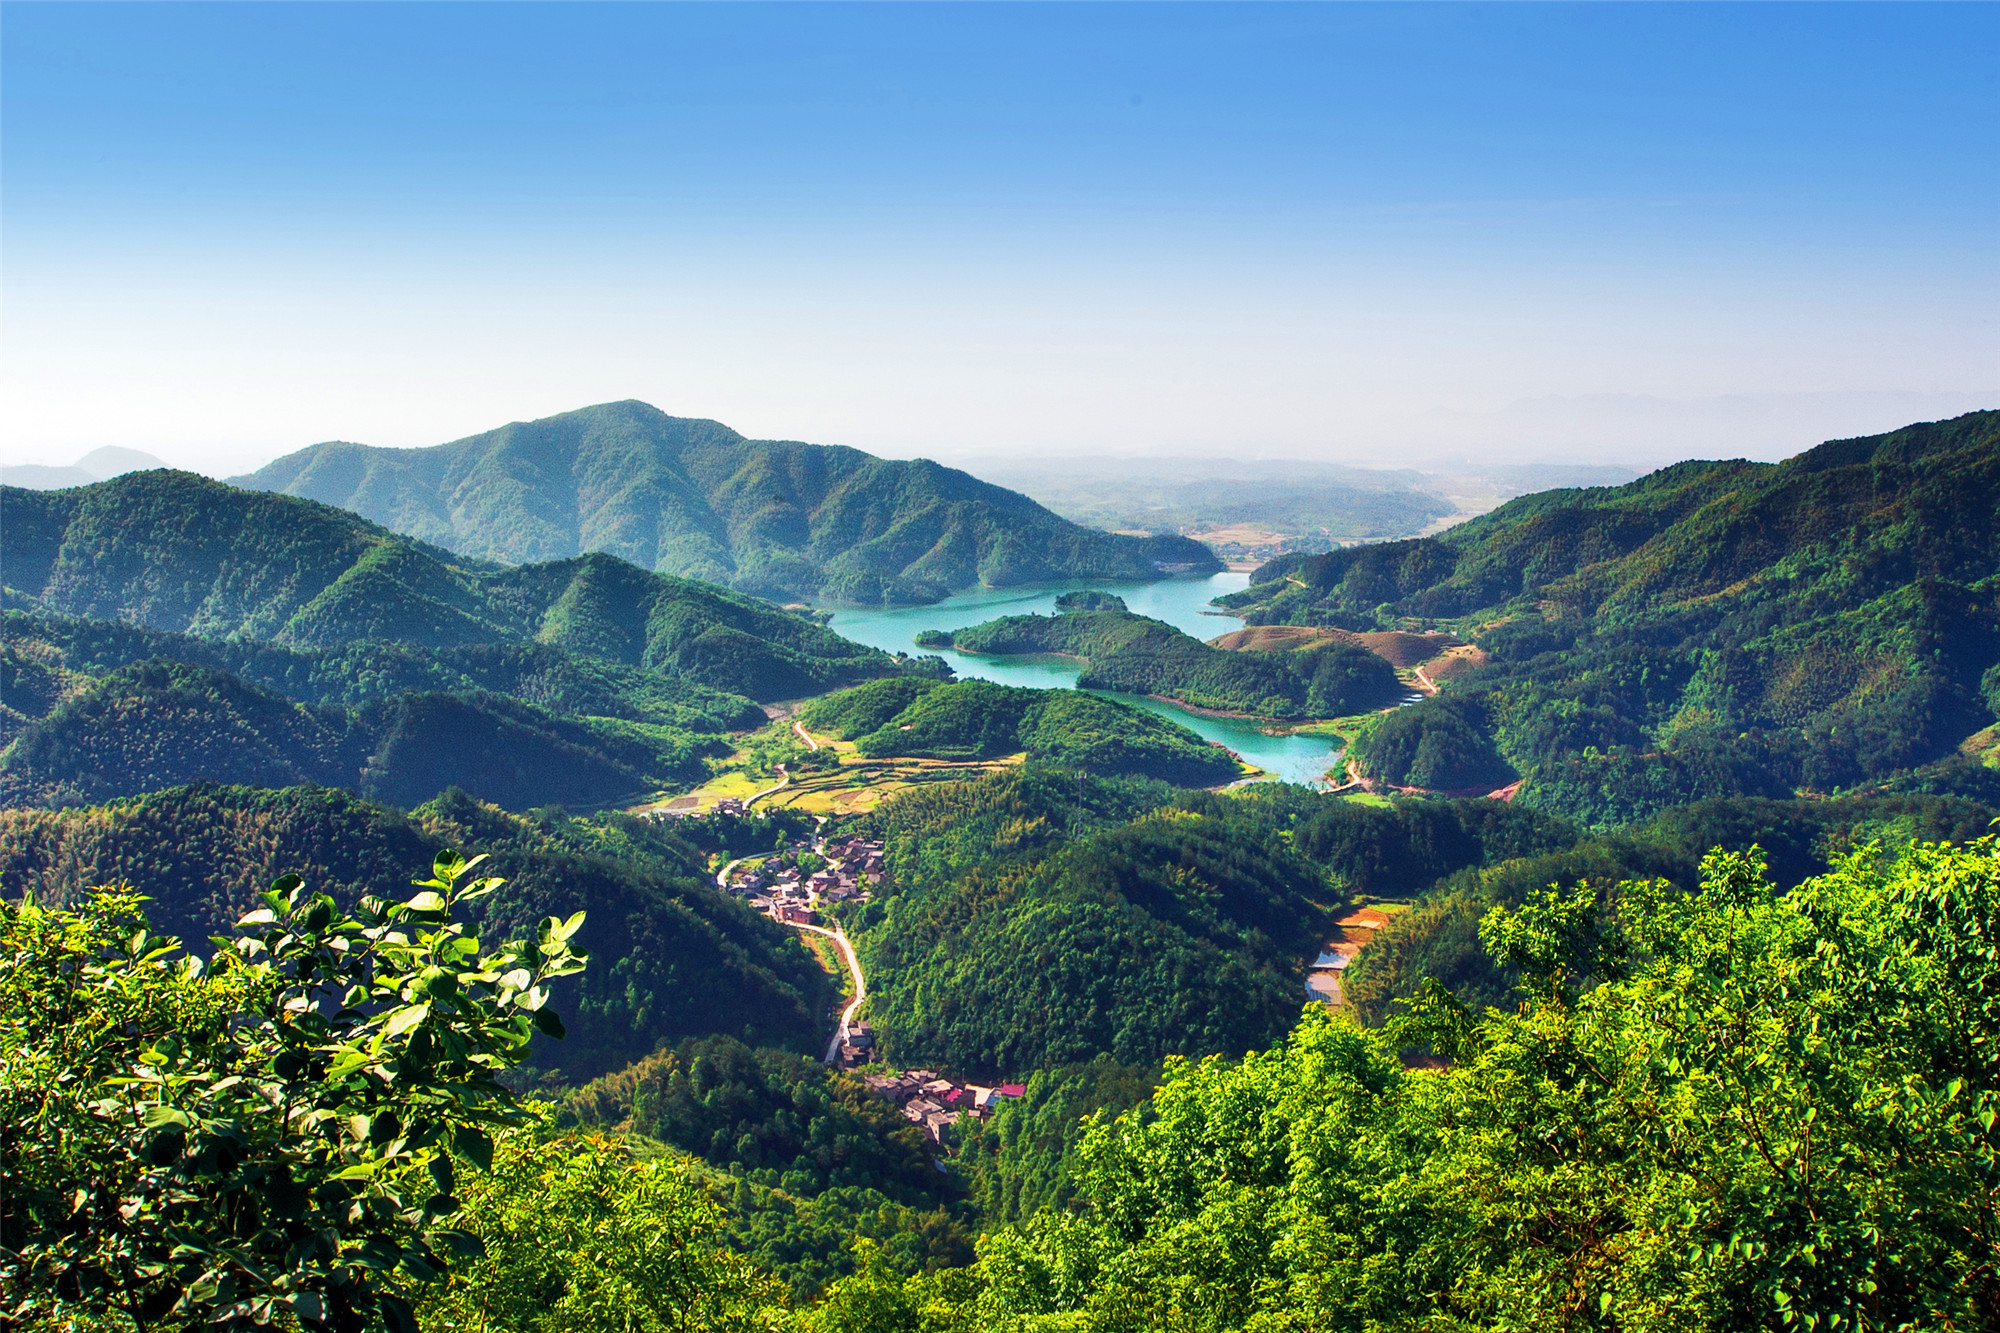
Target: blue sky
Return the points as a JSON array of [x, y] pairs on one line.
[[1354, 232]]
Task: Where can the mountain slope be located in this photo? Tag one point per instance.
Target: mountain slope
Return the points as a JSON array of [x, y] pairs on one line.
[[176, 552], [1714, 629], [691, 497], [670, 956]]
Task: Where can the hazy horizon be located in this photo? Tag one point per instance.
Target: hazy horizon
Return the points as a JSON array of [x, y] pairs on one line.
[[1385, 236]]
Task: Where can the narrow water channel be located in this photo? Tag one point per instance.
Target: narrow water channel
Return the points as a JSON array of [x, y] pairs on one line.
[[1182, 603]]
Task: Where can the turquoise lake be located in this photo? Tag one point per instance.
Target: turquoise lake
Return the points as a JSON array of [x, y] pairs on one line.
[[1182, 603]]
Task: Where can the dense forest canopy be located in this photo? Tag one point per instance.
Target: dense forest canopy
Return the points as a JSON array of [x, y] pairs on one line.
[[162, 629], [1729, 1106], [1039, 921], [684, 496], [975, 719], [1694, 1032]]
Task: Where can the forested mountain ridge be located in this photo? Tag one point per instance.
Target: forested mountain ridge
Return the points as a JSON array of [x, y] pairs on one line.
[[692, 497], [176, 552], [1880, 510], [1714, 629]]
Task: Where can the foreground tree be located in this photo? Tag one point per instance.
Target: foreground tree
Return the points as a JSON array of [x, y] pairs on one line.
[[1737, 1109], [581, 1236], [272, 1133]]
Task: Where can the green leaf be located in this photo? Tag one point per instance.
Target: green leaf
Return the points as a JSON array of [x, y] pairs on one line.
[[402, 1020], [474, 1145], [548, 1022]]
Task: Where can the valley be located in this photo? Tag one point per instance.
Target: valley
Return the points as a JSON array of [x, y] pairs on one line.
[[885, 904]]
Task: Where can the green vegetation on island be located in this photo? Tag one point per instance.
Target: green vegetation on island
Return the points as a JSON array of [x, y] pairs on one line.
[[1139, 655], [975, 719], [683, 496]]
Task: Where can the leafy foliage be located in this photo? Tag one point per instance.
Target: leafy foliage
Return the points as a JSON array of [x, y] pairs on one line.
[[693, 497], [1439, 940], [1779, 1112], [817, 1158], [274, 1131], [582, 1236], [1027, 1158]]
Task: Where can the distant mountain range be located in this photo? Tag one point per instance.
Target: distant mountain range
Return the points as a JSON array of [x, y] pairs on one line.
[[690, 497], [97, 465]]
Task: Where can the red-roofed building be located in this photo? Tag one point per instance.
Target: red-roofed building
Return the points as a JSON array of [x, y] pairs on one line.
[[1011, 1090]]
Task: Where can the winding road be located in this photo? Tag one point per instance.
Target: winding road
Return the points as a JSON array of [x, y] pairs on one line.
[[836, 935], [860, 987], [780, 785]]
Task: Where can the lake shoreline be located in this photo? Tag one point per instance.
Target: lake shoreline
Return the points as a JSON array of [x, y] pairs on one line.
[[1185, 603]]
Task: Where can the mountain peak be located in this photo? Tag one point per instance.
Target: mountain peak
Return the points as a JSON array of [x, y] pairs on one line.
[[691, 496]]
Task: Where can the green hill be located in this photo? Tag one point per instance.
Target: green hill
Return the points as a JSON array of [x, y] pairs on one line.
[[683, 496], [176, 552], [670, 956], [1827, 623], [95, 710], [1036, 921], [975, 719], [1139, 655]]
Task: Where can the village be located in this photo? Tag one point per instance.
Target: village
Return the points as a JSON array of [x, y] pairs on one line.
[[790, 884], [934, 1104]]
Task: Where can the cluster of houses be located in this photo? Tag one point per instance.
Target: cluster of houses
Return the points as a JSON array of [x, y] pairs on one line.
[[780, 890], [934, 1104], [689, 807]]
